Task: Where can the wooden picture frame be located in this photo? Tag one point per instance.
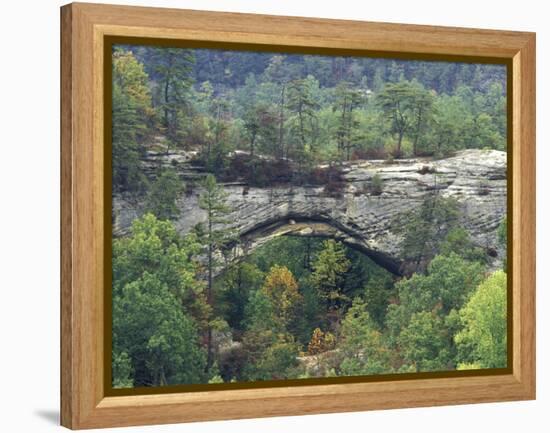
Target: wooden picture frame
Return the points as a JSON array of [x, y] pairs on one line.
[[84, 29]]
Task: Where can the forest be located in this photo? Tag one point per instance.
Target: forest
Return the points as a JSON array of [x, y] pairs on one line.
[[296, 307]]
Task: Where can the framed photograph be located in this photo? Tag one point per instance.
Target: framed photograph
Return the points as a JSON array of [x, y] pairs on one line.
[[265, 215]]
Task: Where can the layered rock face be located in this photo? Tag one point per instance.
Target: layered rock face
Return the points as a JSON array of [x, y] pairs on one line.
[[359, 216]]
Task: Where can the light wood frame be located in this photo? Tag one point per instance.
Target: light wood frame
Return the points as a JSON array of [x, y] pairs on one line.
[[83, 400]]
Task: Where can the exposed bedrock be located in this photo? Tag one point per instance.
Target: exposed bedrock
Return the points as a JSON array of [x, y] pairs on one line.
[[358, 217]]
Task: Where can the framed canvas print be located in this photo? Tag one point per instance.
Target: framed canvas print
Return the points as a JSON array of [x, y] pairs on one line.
[[268, 216]]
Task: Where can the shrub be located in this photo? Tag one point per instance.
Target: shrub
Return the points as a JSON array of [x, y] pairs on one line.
[[320, 342], [376, 185]]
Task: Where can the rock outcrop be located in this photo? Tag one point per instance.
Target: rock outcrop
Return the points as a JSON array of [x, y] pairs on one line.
[[359, 216]]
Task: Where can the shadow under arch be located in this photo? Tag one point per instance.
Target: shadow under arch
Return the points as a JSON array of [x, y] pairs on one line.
[[307, 226]]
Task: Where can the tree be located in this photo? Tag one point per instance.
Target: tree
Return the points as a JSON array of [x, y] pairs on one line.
[[424, 343], [320, 342], [347, 98], [280, 72], [155, 247], [260, 126], [422, 107], [377, 293], [301, 102], [446, 285], [270, 350], [131, 114], [173, 68], [281, 289], [150, 326], [482, 342], [156, 307], [239, 281], [252, 127], [216, 235], [409, 106], [396, 101], [362, 345], [122, 371], [329, 269], [422, 322], [260, 314], [451, 126], [162, 197], [218, 125], [424, 228], [458, 241], [270, 356]]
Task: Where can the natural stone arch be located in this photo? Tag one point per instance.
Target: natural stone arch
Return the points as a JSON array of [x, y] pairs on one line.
[[476, 179], [300, 226]]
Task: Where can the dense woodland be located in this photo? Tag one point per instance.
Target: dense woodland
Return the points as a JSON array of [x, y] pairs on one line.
[[295, 307]]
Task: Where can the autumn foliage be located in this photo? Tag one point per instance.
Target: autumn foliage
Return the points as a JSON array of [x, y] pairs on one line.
[[320, 342]]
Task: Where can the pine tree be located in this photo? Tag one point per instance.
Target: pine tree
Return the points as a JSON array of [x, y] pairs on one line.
[[174, 70], [161, 200], [408, 106], [131, 113], [347, 99], [329, 269], [216, 236], [281, 289], [301, 102]]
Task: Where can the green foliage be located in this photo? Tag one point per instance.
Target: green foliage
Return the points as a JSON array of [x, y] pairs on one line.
[[451, 127], [270, 356], [483, 339], [378, 291], [302, 105], [296, 254], [424, 343], [424, 228], [153, 336], [173, 68], [329, 269], [422, 325], [347, 98], [150, 326], [446, 286], [237, 284], [269, 350], [376, 185], [131, 113], [122, 370], [458, 241], [161, 200], [155, 248], [215, 236], [270, 120], [362, 345], [216, 233], [307, 108], [261, 127], [409, 107]]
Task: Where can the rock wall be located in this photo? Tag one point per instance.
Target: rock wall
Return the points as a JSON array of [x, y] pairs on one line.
[[362, 219]]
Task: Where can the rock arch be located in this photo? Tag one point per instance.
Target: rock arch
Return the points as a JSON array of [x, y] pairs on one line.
[[300, 226], [475, 178]]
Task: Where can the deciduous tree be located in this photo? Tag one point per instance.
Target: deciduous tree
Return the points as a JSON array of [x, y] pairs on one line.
[[483, 339]]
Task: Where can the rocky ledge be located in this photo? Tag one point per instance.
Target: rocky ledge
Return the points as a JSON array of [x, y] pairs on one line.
[[360, 216]]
